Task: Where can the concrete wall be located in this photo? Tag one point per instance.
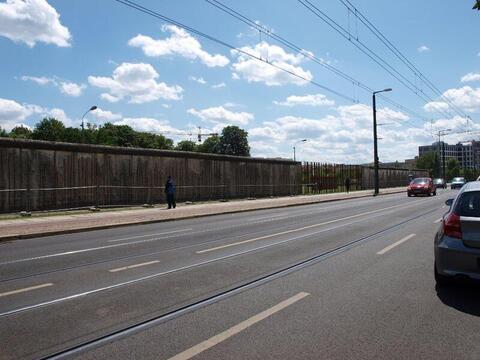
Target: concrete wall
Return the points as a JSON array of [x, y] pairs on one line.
[[48, 175]]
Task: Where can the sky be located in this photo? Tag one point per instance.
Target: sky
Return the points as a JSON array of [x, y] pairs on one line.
[[59, 58]]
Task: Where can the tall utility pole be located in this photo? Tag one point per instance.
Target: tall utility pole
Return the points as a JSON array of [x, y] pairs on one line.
[[298, 142], [441, 133], [375, 141]]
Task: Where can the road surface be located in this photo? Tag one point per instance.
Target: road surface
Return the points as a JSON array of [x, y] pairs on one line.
[[342, 280]]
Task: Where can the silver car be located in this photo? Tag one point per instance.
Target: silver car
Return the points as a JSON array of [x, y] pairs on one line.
[[457, 242]]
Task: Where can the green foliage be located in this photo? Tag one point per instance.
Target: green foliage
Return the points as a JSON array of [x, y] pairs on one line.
[[186, 145], [453, 169], [210, 146], [21, 132], [116, 135], [234, 141], [152, 141], [477, 5], [3, 132], [430, 162], [49, 129]]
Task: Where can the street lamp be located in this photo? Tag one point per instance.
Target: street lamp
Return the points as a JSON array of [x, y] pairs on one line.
[[375, 143], [86, 112], [298, 142]]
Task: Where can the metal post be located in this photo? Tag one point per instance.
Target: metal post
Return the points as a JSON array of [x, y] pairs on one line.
[[294, 159], [375, 147], [443, 160]]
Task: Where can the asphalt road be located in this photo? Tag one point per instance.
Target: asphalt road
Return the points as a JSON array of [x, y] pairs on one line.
[[175, 289]]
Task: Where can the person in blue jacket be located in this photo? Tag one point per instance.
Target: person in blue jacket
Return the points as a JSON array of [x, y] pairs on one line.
[[170, 192]]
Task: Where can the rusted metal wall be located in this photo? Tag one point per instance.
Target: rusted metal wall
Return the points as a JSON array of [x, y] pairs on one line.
[[39, 175]]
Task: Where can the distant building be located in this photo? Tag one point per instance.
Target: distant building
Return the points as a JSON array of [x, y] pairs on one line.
[[467, 154]]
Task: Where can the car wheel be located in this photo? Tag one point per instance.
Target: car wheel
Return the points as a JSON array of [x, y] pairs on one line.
[[435, 193], [441, 280]]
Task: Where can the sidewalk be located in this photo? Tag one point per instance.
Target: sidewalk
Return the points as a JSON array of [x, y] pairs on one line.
[[64, 224]]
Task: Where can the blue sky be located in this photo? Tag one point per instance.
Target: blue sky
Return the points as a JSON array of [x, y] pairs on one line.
[[61, 57]]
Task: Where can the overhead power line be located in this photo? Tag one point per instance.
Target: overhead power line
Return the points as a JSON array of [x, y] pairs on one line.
[[308, 54], [358, 14], [371, 54]]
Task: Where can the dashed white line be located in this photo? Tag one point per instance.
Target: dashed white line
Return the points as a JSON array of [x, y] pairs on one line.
[[214, 340], [390, 247], [18, 291], [134, 266]]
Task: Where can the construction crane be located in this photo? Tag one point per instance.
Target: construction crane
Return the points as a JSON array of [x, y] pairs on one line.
[[199, 134]]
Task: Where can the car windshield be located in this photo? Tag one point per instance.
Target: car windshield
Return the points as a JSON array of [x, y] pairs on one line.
[[419, 181], [468, 204], [458, 179]]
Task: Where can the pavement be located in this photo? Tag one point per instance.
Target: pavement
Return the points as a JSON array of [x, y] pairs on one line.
[[29, 227], [343, 280]]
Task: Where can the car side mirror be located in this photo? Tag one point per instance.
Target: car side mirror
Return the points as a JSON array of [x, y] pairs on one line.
[[449, 202]]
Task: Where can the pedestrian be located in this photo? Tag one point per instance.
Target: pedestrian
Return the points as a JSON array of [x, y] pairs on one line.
[[170, 192], [347, 184]]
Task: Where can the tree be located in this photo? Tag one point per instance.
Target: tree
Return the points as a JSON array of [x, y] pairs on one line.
[[430, 162], [3, 133], [49, 129], [477, 5], [453, 168], [116, 135], [210, 146], [21, 132], [186, 145], [152, 141], [234, 141]]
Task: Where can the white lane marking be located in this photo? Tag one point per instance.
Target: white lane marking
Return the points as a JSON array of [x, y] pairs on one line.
[[18, 291], [437, 221], [168, 272], [134, 266], [142, 236], [214, 340], [390, 247], [298, 229]]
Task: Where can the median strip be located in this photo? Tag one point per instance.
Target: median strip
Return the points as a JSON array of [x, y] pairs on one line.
[[390, 247], [134, 266], [18, 291], [214, 340]]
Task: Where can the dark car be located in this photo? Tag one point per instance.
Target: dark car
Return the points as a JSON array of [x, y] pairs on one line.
[[439, 183], [457, 242], [457, 183], [421, 186]]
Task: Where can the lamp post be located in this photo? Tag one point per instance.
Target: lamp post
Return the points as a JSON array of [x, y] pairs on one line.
[[375, 143], [86, 112], [298, 142]]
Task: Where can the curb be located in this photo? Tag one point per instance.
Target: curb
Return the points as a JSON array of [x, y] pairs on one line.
[[146, 222]]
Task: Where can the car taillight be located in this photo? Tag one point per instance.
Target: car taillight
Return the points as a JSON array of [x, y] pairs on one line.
[[451, 226]]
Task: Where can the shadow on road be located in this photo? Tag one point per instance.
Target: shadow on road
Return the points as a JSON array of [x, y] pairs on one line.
[[463, 296]]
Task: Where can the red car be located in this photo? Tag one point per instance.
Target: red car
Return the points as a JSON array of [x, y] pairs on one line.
[[421, 186]]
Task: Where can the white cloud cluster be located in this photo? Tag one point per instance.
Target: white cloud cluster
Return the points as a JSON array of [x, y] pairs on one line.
[[13, 114], [434, 106], [308, 100], [221, 116], [423, 48], [199, 80], [66, 87], [137, 82], [219, 85], [151, 125], [179, 43], [32, 21], [466, 98], [105, 115], [470, 77], [253, 70]]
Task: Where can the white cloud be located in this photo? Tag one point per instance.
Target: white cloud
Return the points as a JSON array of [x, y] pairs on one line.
[[137, 82], [219, 85], [423, 48], [32, 21], [466, 98], [166, 106], [310, 100], [151, 125], [105, 115], [470, 77], [66, 87], [199, 80], [72, 89], [40, 80], [179, 43], [220, 115], [253, 70], [434, 106]]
